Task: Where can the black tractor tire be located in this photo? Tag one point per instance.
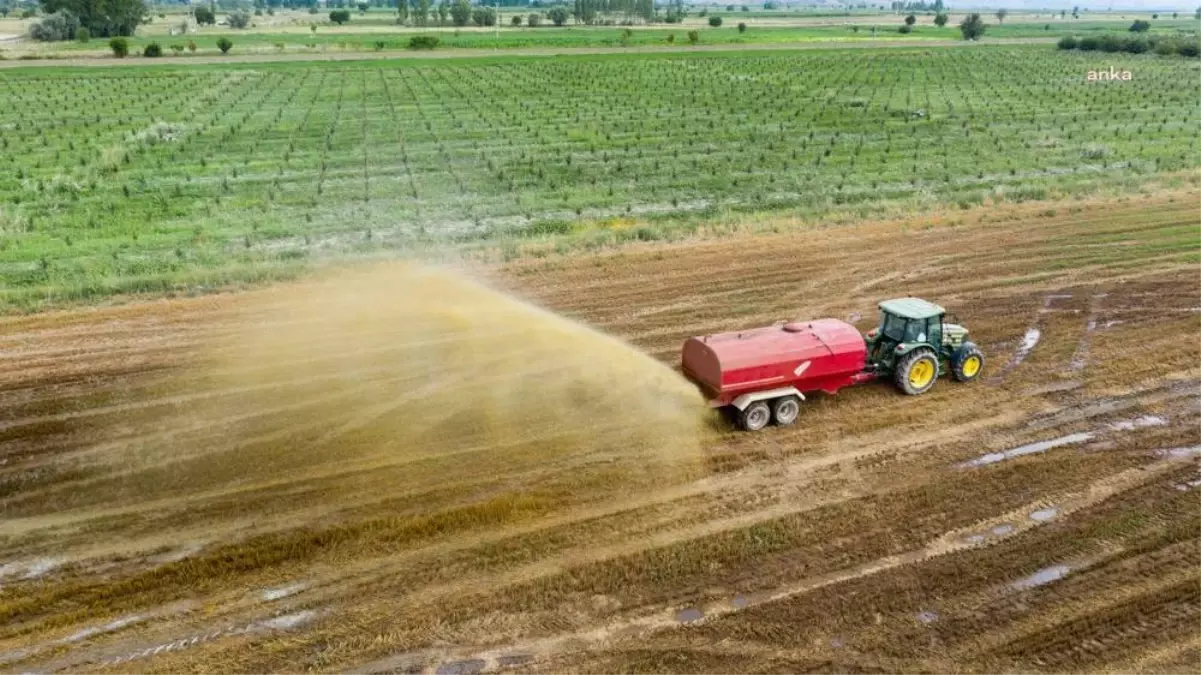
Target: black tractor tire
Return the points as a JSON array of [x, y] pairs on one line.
[[918, 361], [755, 416], [785, 410], [962, 368]]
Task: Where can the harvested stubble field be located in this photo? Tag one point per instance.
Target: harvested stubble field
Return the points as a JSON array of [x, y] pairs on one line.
[[882, 533], [137, 179]]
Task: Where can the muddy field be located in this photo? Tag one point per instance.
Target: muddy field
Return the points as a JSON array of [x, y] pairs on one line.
[[1044, 518]]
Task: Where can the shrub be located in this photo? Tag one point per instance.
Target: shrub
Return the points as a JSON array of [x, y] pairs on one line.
[[339, 16], [558, 15], [1067, 42], [1165, 48], [1189, 49], [910, 20], [82, 34], [1136, 46], [671, 39], [60, 25], [940, 20], [423, 42], [533, 20], [177, 48], [29, 14], [379, 45], [120, 47], [258, 12], [516, 20], [204, 15], [224, 44], [715, 21], [741, 27], [238, 19], [972, 27], [694, 36], [1089, 44], [313, 9], [1140, 26], [1111, 43], [905, 29], [153, 50], [192, 46]]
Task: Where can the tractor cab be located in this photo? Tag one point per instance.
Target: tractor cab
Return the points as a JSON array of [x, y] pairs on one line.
[[915, 345]]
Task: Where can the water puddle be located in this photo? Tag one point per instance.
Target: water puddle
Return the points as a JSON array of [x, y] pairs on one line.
[[1192, 451], [974, 538], [1139, 423], [115, 625], [1028, 449], [1043, 515], [1029, 341], [468, 667], [837, 642], [1042, 577], [1002, 529], [740, 601], [514, 659], [272, 594], [927, 617], [689, 615], [287, 621]]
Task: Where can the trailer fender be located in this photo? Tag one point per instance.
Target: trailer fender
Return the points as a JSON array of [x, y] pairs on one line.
[[746, 399]]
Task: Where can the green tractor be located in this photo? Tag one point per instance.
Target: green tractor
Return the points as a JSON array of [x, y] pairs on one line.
[[915, 345]]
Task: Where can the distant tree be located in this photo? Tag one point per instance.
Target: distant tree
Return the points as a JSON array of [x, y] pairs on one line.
[[60, 25], [363, 7], [483, 16], [1175, 14], [972, 27], [82, 34], [423, 42], [102, 19], [1063, 13], [1140, 26], [339, 16], [4, 12], [443, 12], [402, 12], [741, 27], [745, 8], [1154, 16], [1197, 14], [153, 50], [238, 19], [1001, 14], [940, 20], [120, 47], [910, 20], [533, 20], [515, 20], [204, 15], [558, 15], [460, 12], [715, 21], [694, 36], [421, 12], [224, 44]]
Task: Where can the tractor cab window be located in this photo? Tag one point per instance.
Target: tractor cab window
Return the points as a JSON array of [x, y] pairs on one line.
[[892, 327], [915, 330]]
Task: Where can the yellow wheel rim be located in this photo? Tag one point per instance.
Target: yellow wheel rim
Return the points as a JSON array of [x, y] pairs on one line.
[[971, 366], [921, 374]]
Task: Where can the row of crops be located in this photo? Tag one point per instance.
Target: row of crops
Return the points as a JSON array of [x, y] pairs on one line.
[[143, 178]]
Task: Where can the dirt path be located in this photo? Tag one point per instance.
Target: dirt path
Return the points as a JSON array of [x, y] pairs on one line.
[[104, 61], [993, 526]]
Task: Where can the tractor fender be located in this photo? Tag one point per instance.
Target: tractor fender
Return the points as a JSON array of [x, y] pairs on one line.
[[746, 399], [906, 347]]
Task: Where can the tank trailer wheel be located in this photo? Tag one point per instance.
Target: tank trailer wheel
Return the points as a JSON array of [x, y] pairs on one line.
[[967, 362], [916, 372], [755, 416], [785, 410]]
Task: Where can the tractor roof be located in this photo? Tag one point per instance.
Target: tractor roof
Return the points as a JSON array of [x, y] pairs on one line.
[[911, 308]]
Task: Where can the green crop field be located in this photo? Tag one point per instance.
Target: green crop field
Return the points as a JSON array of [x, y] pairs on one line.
[[171, 177]]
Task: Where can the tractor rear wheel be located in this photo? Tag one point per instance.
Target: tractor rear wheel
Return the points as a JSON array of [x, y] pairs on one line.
[[916, 372], [967, 362], [785, 410], [755, 416]]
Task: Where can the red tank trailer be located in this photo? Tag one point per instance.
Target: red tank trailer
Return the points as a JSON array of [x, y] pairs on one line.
[[762, 374]]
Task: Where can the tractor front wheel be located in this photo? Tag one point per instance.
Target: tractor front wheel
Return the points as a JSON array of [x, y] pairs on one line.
[[755, 416], [967, 362], [916, 372]]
